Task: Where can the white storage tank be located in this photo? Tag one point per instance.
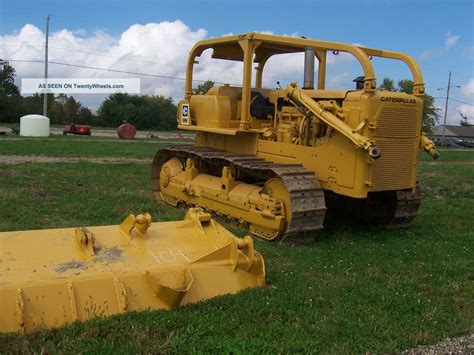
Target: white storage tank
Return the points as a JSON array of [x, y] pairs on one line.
[[34, 126]]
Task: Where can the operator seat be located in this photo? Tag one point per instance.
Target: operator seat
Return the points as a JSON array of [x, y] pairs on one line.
[[260, 107]]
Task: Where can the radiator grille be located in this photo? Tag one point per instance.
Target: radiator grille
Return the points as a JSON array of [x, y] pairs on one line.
[[397, 137], [394, 169], [397, 123]]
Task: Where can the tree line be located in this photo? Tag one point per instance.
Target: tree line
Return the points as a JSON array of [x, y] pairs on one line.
[[145, 112]]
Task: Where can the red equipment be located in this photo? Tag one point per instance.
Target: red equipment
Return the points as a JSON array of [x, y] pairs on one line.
[[80, 129], [126, 131]]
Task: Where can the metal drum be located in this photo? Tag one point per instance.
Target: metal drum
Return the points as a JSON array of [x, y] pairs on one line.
[[127, 131]]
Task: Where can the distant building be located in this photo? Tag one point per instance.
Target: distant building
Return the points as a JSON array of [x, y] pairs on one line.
[[454, 135]]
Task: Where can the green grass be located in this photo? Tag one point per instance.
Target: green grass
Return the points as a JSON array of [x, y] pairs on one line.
[[74, 194], [79, 146], [355, 289], [451, 155]]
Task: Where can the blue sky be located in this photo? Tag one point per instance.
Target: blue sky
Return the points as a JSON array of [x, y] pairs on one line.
[[439, 34]]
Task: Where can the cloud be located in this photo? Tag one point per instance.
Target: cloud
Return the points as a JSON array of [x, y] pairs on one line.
[[468, 92], [451, 40], [154, 48], [431, 53], [468, 89], [468, 111]]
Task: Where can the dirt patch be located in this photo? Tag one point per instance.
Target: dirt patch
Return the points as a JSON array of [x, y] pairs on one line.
[[73, 264], [20, 159], [108, 255], [104, 255]]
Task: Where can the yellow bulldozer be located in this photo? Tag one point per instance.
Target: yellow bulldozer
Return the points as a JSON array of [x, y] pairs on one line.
[[274, 159]]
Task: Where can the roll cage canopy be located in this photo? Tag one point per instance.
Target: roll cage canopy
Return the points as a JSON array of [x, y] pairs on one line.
[[257, 48]]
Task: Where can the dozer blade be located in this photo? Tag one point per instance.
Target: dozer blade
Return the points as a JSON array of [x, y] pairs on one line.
[[52, 277]]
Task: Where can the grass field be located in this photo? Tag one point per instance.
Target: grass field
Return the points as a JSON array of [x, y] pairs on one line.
[[80, 146], [355, 289]]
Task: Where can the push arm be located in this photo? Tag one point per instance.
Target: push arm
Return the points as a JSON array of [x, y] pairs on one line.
[[294, 92], [428, 146]]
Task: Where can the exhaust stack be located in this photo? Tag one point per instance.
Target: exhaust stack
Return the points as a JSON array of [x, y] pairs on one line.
[[309, 68]]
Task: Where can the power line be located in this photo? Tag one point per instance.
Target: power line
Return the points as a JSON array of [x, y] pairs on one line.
[[282, 76], [101, 54], [463, 102], [269, 73], [111, 70], [120, 58], [133, 60]]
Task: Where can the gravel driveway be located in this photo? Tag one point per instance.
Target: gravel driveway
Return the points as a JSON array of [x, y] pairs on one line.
[[460, 345]]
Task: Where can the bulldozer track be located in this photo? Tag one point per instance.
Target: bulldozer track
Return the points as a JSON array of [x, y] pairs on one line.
[[306, 196], [408, 204], [390, 209]]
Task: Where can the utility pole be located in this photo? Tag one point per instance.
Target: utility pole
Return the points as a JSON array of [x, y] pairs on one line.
[[45, 95], [446, 109], [446, 106]]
